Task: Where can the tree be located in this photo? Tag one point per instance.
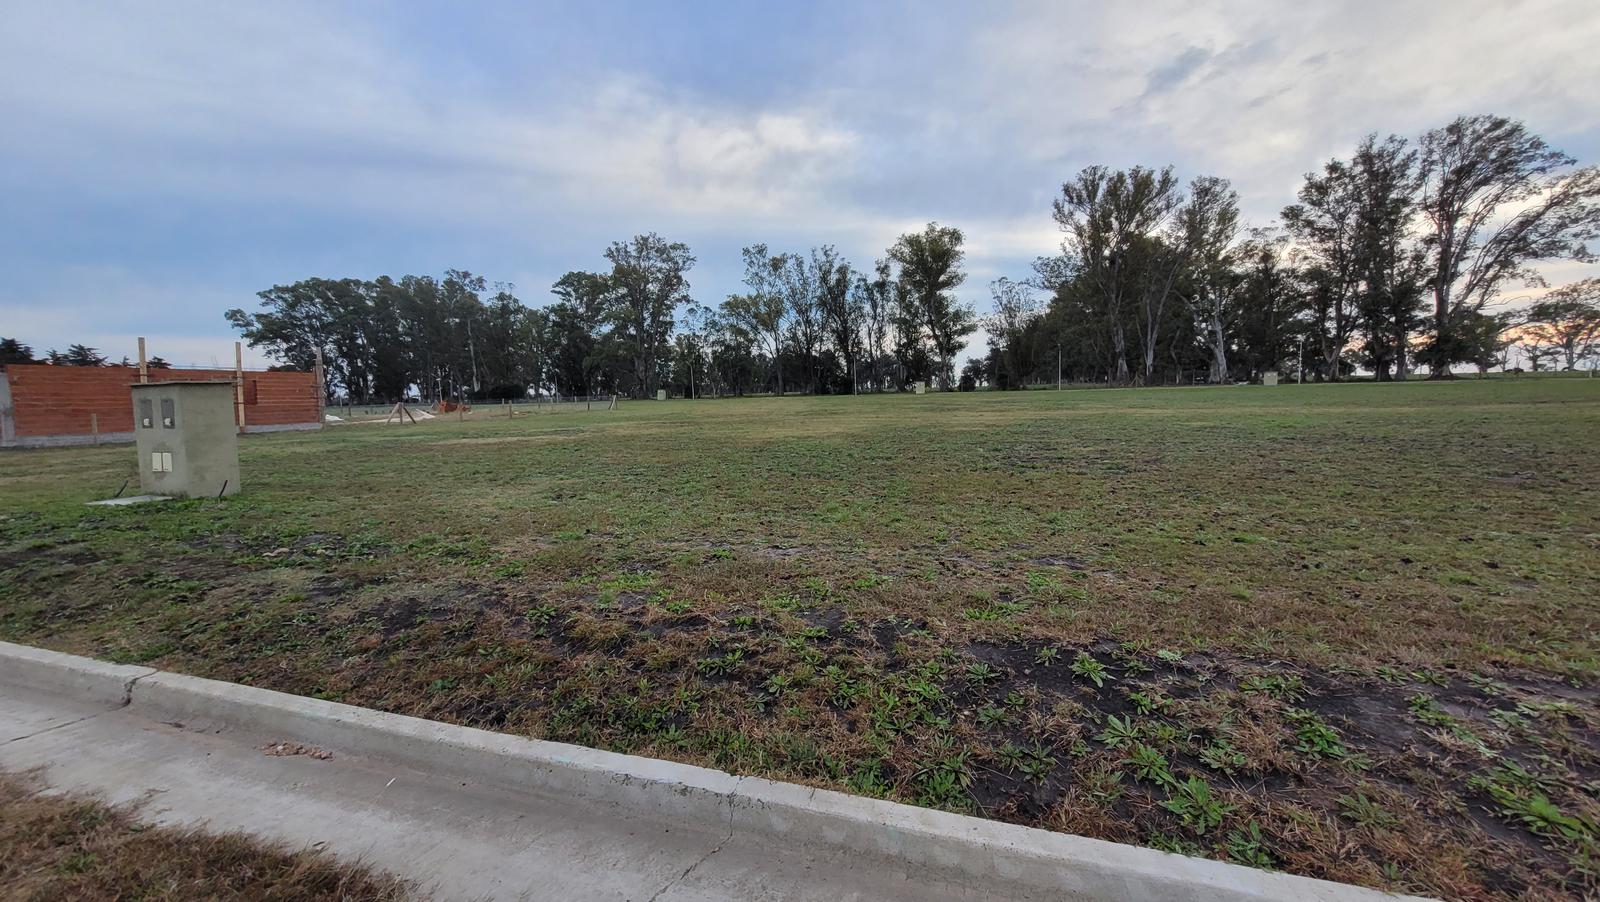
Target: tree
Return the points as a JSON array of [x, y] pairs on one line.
[[1110, 220], [874, 297], [575, 319], [1389, 267], [1208, 223], [843, 308], [797, 280], [312, 317], [930, 269], [1496, 199], [81, 355], [1568, 322], [1270, 302], [1484, 340], [1325, 225], [1536, 351], [759, 315], [14, 351], [1015, 309], [648, 283]]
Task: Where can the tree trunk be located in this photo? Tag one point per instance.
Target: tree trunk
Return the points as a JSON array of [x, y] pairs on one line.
[[1119, 345], [1219, 352]]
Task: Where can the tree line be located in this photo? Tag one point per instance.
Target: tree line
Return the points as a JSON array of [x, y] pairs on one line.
[[808, 321], [12, 350], [1391, 259]]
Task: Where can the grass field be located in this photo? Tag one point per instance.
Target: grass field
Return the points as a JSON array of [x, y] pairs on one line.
[[1346, 631]]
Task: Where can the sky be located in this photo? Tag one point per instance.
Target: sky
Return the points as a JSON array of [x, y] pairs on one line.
[[162, 162]]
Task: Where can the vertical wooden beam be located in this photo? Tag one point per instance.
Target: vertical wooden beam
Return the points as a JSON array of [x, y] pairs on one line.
[[238, 384], [94, 426], [144, 366], [322, 390]]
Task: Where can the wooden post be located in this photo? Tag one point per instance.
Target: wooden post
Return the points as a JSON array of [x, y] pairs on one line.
[[144, 366], [94, 426], [317, 376], [238, 384]]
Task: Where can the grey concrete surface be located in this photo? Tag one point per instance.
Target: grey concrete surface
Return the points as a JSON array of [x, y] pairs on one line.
[[189, 423], [475, 814]]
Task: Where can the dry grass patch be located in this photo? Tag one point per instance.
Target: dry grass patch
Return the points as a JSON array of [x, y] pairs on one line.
[[65, 847]]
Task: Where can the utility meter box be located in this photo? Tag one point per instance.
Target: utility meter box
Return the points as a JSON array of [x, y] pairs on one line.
[[187, 439]]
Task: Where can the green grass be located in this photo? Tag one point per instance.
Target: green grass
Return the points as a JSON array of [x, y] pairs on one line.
[[950, 600]]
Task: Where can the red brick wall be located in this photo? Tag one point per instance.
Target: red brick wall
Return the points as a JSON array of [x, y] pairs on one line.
[[58, 400]]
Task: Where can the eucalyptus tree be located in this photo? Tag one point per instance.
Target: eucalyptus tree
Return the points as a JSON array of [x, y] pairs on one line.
[[1015, 309], [843, 309], [1389, 264], [929, 272], [648, 281], [874, 298], [797, 279], [1110, 220], [1496, 199], [1207, 227], [1325, 225], [1271, 301], [761, 314]]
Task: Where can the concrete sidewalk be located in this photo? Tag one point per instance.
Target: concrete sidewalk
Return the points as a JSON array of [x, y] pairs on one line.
[[565, 827]]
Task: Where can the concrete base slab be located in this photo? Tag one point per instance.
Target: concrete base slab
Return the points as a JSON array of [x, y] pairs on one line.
[[129, 499]]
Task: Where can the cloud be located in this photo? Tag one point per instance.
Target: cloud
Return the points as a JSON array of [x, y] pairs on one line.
[[188, 155]]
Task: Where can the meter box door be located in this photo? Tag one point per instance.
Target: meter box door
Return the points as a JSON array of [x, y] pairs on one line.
[[187, 439]]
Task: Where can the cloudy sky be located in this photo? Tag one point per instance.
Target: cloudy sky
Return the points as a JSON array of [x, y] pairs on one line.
[[160, 162]]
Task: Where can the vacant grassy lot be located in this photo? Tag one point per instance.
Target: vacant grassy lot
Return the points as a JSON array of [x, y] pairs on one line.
[[1346, 631]]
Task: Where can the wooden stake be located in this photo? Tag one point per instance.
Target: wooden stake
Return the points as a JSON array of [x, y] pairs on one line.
[[144, 366], [238, 384], [94, 426], [322, 390]]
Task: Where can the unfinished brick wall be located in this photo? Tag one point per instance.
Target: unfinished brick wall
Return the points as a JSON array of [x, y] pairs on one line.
[[60, 405]]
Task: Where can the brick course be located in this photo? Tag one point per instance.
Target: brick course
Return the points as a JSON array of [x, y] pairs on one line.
[[57, 401]]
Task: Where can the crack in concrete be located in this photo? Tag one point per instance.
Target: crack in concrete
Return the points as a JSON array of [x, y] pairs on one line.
[[54, 727], [698, 862], [127, 688]]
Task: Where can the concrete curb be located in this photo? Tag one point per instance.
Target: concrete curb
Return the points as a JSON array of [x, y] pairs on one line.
[[1027, 859], [69, 675]]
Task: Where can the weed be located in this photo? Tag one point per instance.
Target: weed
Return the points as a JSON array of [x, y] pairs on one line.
[[720, 666], [993, 716], [1315, 737], [1196, 807], [1118, 733], [1248, 848], [980, 673], [1090, 669], [1045, 657], [1219, 755], [1149, 765]]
